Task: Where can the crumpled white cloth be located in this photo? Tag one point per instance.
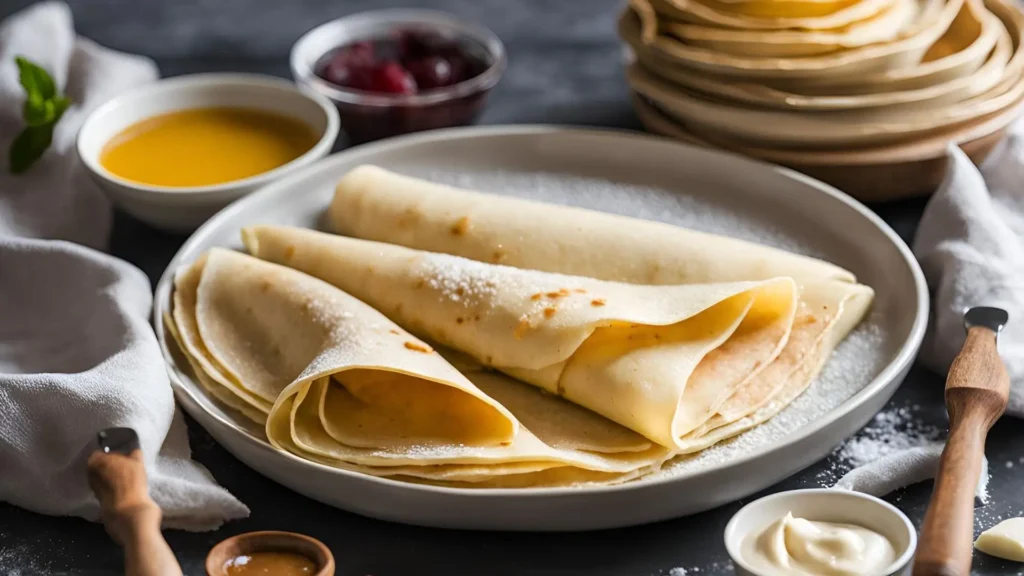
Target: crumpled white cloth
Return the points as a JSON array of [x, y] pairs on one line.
[[971, 247], [903, 468], [970, 244], [77, 353]]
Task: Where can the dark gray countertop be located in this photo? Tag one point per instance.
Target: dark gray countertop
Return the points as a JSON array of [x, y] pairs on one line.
[[563, 68]]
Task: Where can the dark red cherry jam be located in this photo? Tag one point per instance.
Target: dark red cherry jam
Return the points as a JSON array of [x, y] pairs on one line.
[[409, 62]]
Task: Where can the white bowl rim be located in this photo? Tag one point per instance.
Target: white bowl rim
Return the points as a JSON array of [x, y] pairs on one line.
[[187, 81], [903, 358], [734, 539]]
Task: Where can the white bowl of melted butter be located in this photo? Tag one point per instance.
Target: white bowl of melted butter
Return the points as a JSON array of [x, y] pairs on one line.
[[820, 532]]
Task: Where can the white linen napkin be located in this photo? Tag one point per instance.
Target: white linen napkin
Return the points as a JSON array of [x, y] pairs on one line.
[[971, 247], [903, 468], [970, 244], [77, 353]]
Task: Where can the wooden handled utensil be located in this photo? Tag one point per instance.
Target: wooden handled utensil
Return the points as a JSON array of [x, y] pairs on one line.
[[977, 390], [118, 478]]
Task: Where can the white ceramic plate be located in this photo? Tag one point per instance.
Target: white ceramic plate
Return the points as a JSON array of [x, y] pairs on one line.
[[644, 176]]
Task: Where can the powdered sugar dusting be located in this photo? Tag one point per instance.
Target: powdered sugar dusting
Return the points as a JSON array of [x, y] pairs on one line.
[[459, 279], [20, 559], [890, 431]]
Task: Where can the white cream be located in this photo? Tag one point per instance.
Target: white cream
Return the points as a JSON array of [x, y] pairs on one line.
[[797, 547]]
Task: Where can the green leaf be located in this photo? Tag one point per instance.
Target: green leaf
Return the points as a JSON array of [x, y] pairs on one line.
[[42, 110], [46, 112], [37, 111], [29, 146], [60, 105], [35, 79]]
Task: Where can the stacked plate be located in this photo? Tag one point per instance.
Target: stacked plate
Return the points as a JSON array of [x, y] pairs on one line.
[[864, 94]]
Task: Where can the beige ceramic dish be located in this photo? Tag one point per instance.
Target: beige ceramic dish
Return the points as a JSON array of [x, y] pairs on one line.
[[885, 26], [869, 174], [640, 21], [960, 51], [775, 129], [947, 90], [706, 12]]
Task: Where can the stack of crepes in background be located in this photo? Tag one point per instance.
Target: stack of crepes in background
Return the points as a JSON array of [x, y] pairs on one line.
[[472, 340], [815, 84]]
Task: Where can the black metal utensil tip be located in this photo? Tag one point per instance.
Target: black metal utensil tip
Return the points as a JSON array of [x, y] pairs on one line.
[[119, 440], [986, 316]]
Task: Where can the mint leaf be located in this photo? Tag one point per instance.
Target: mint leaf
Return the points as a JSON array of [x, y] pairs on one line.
[[42, 110], [29, 147], [60, 104], [35, 79], [47, 112], [37, 111]]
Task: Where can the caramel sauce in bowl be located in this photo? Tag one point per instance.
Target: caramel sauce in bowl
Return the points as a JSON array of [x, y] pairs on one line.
[[278, 553]]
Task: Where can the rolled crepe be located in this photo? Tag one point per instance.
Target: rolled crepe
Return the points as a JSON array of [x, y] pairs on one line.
[[375, 204], [338, 383], [658, 360]]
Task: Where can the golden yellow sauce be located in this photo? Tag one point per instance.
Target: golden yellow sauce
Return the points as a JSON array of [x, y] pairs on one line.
[[270, 564], [206, 146]]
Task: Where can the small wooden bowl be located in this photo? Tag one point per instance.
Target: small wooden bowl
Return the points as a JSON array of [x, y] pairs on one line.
[[270, 542]]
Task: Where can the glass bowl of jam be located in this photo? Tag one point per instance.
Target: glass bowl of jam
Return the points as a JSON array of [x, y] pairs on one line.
[[393, 72]]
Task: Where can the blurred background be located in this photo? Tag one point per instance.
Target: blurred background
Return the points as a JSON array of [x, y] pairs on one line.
[[564, 57]]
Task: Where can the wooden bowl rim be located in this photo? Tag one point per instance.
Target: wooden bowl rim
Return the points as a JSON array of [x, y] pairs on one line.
[[929, 147], [222, 550]]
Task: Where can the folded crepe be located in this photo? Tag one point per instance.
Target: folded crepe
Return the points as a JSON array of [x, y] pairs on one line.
[[376, 204], [338, 383], [659, 360]]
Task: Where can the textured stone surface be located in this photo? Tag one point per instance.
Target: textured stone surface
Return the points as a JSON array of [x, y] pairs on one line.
[[564, 67]]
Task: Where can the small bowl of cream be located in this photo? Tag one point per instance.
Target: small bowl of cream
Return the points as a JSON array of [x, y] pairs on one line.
[[820, 532]]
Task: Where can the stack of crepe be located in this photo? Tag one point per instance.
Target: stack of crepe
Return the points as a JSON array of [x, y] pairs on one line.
[[458, 338], [803, 82]]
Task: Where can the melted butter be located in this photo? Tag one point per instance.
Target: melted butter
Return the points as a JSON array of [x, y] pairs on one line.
[[206, 146], [798, 547], [269, 563]]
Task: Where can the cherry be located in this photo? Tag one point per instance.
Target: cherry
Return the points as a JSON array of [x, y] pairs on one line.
[[426, 60], [391, 78], [349, 66], [431, 72], [417, 44], [359, 52]]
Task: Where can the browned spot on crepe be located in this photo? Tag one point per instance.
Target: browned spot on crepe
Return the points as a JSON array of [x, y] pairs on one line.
[[461, 226], [416, 347]]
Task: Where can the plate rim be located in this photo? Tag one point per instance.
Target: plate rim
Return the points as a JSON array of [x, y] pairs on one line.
[[901, 362]]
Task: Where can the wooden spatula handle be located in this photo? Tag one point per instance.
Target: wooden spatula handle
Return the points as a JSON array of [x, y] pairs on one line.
[[974, 404], [129, 514], [947, 533]]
